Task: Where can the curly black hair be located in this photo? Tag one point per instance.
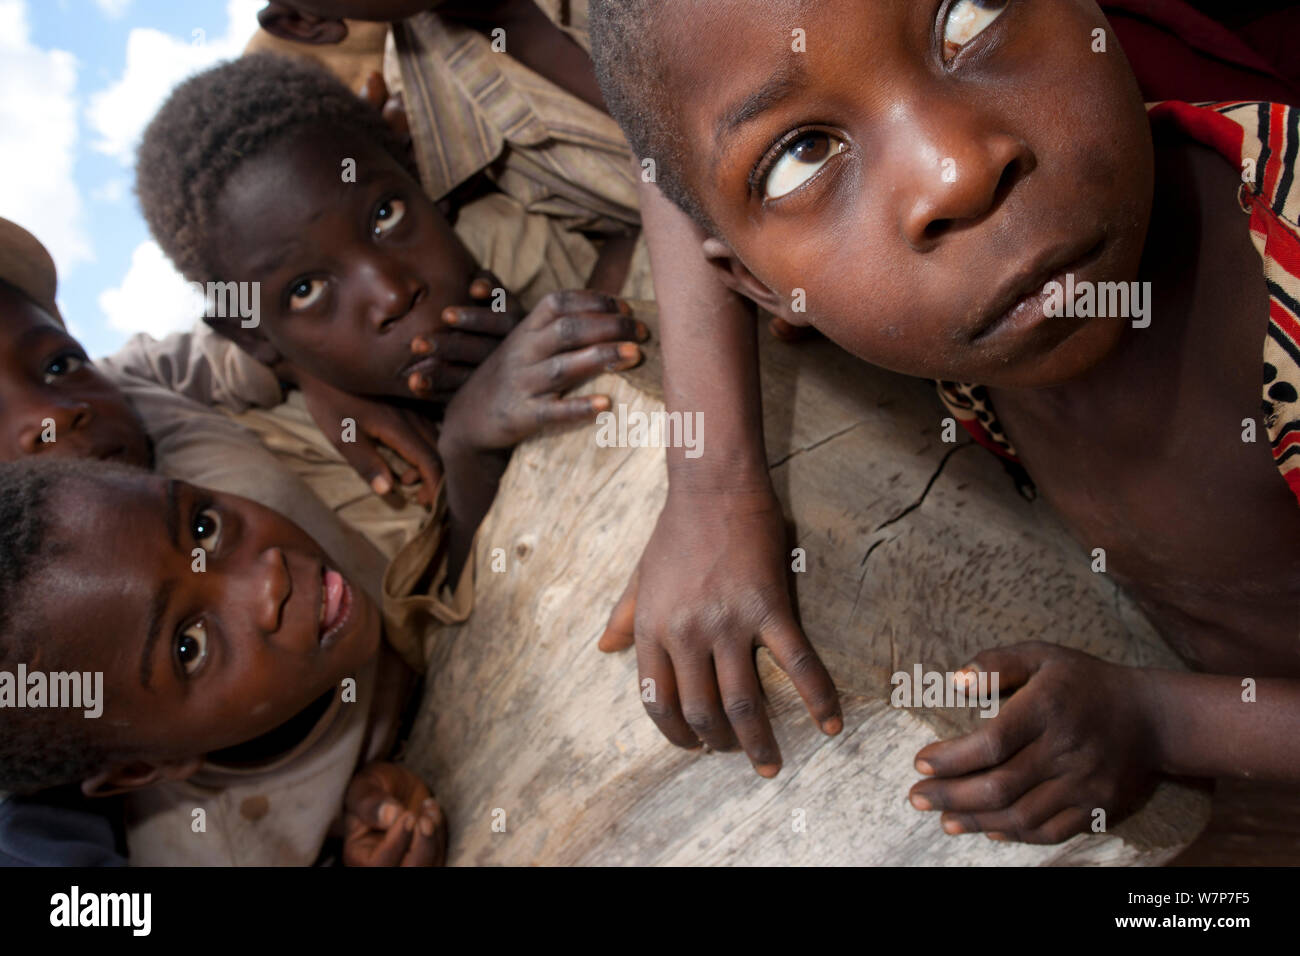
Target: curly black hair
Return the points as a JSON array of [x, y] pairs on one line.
[[214, 121], [633, 77], [40, 747]]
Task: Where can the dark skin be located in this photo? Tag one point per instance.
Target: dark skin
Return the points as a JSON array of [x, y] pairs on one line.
[[363, 294], [1056, 172], [531, 38], [46, 375]]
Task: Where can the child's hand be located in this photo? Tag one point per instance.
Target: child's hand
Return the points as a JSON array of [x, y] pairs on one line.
[[472, 333], [711, 588], [406, 432], [1077, 737], [391, 819], [569, 338], [392, 108]]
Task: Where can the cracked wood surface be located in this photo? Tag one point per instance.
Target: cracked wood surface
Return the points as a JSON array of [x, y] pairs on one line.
[[917, 552]]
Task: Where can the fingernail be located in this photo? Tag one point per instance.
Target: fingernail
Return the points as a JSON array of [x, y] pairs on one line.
[[422, 346], [623, 307], [410, 824], [381, 485], [919, 801], [629, 352], [925, 768], [426, 826], [832, 725], [450, 316], [600, 403], [768, 770], [430, 805], [388, 813], [480, 288], [952, 827], [1000, 837], [642, 332]]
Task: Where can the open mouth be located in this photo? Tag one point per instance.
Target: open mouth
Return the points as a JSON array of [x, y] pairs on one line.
[[335, 605]]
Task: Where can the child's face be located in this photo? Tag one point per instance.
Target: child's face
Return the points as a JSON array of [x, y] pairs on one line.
[[49, 389], [350, 272], [918, 170], [196, 660]]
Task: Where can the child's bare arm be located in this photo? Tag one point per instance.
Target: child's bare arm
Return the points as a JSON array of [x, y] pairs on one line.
[[1081, 735], [713, 581]]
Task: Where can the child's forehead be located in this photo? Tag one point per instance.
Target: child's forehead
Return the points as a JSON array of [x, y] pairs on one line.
[[23, 323]]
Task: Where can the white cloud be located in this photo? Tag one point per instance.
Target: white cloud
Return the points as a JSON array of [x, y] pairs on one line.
[[113, 9], [112, 191], [153, 297], [38, 140], [155, 63]]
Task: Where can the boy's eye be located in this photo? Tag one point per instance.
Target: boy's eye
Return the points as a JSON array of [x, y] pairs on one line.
[[65, 364], [799, 162], [206, 529], [305, 294], [192, 647], [966, 20], [389, 215]]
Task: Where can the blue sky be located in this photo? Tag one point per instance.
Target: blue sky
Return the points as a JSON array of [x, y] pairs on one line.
[[79, 79]]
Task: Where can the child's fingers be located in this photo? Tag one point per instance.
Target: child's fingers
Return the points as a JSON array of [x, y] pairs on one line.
[[1014, 664], [429, 841], [574, 331], [413, 448], [697, 683], [1021, 819], [365, 459], [568, 411], [995, 742], [437, 381], [480, 320], [374, 90], [993, 789], [394, 114], [459, 348], [369, 801], [794, 655], [743, 703], [658, 683], [557, 304], [395, 843], [620, 631], [567, 370]]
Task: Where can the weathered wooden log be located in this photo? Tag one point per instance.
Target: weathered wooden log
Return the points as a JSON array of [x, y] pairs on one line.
[[918, 552]]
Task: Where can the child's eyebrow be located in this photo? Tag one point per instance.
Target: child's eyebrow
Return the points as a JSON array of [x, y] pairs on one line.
[[779, 86], [158, 609]]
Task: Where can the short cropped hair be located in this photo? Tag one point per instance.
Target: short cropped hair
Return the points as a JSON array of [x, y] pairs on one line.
[[222, 117], [634, 82], [40, 747]]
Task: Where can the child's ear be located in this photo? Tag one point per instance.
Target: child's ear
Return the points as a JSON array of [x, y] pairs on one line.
[[287, 23], [736, 276], [251, 340], [141, 773]]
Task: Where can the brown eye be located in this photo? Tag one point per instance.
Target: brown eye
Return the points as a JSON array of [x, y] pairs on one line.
[[389, 215], [67, 364], [192, 647], [799, 162], [306, 294], [966, 20]]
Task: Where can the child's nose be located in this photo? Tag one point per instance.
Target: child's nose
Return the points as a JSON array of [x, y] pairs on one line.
[[271, 591], [43, 425], [395, 292], [958, 180]]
